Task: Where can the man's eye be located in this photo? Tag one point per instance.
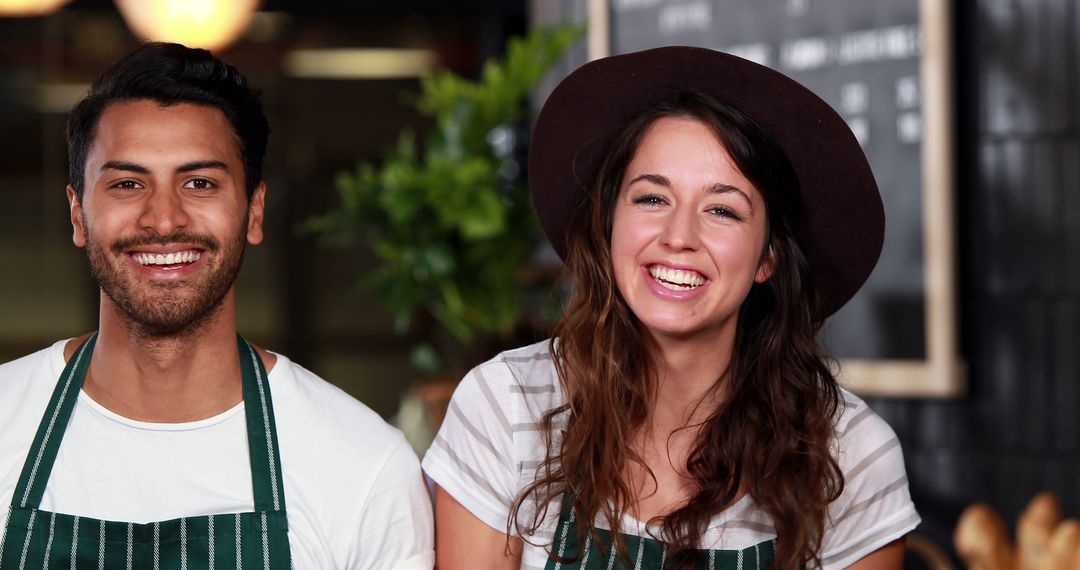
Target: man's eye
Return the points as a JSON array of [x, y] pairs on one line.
[[127, 185], [198, 184]]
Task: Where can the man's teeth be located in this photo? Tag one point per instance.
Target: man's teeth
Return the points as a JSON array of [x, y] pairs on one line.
[[174, 258], [676, 279]]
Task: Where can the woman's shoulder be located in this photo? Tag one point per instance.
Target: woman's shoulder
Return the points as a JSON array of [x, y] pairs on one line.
[[869, 454], [525, 370], [516, 387], [875, 507], [859, 430], [492, 431]]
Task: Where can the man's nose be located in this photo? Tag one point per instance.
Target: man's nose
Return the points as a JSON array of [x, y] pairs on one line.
[[164, 212]]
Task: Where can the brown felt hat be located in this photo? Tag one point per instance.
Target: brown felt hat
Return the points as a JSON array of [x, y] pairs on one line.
[[843, 221]]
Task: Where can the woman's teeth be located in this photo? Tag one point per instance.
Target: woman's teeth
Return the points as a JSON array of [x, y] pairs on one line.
[[676, 279]]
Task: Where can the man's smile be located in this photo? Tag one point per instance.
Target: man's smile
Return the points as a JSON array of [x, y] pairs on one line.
[[178, 258]]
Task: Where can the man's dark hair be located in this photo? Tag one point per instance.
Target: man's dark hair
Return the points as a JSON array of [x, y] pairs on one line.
[[170, 74]]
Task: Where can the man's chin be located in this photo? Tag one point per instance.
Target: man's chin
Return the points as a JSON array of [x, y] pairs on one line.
[[172, 325], [168, 316]]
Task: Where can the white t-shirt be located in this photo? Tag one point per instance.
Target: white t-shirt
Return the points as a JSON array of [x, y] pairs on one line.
[[491, 444], [354, 494]]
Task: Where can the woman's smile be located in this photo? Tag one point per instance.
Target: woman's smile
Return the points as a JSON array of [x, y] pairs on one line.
[[676, 279]]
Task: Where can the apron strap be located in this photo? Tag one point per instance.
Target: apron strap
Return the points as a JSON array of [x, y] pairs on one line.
[[263, 451], [42, 454], [263, 447]]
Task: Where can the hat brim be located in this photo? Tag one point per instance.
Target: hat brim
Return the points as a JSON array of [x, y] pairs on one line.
[[843, 220]]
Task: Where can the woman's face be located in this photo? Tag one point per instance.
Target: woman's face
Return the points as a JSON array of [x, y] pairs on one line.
[[688, 233]]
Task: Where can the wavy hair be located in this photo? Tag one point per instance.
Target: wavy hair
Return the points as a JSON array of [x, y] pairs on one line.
[[772, 432]]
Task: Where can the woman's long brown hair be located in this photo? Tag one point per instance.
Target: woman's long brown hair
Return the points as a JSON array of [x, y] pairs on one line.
[[772, 431]]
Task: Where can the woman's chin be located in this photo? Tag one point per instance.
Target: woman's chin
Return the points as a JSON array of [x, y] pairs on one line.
[[682, 330]]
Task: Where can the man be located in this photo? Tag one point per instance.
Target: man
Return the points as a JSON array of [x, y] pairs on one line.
[[186, 447]]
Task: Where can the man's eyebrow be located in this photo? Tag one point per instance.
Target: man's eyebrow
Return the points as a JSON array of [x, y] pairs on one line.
[[189, 167], [127, 166], [202, 165]]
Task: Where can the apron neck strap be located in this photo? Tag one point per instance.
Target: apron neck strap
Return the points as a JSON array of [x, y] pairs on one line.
[[263, 449], [42, 454]]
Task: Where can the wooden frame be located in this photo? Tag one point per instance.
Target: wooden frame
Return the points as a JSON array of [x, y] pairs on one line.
[[941, 374]]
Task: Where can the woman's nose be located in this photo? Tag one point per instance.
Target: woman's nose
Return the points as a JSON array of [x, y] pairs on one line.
[[680, 230]]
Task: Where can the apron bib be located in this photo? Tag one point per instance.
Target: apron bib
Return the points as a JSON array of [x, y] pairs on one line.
[[40, 539], [645, 553]]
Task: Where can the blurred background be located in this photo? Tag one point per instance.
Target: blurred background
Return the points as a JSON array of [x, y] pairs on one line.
[[400, 248]]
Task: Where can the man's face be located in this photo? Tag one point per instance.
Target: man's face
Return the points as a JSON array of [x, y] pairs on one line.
[[164, 214]]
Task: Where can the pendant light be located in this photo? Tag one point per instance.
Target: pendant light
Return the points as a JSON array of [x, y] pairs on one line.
[[208, 24], [22, 8]]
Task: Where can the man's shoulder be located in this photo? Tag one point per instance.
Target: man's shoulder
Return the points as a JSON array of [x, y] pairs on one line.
[[26, 368], [305, 402], [26, 384], [333, 445]]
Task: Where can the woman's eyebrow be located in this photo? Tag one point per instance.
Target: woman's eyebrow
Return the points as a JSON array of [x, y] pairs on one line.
[[721, 188], [658, 179]]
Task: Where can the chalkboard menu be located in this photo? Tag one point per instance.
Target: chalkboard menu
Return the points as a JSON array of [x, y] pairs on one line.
[[863, 59]]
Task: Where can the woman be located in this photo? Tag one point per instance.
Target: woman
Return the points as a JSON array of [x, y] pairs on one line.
[[711, 213]]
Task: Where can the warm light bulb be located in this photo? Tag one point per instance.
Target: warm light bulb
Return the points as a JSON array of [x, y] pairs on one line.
[[209, 24], [29, 7]]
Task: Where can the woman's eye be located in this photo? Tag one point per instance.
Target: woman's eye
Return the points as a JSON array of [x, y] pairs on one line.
[[650, 200], [198, 184], [725, 212]]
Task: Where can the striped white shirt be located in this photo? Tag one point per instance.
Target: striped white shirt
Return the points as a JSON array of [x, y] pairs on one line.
[[491, 444]]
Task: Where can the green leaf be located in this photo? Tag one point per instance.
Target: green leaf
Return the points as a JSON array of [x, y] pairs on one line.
[[449, 234]]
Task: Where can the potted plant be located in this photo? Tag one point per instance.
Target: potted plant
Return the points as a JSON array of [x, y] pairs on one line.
[[448, 217]]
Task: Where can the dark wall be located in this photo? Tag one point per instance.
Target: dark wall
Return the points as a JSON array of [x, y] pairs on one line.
[[1017, 432]]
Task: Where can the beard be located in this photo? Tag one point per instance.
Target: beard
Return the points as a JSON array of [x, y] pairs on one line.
[[167, 309]]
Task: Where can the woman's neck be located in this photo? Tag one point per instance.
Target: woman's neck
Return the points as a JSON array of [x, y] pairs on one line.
[[692, 376]]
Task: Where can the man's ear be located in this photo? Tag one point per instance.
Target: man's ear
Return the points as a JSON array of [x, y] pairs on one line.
[[766, 266], [256, 208], [78, 219]]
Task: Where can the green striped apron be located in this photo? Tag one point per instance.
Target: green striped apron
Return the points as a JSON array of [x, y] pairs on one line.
[[645, 553], [40, 539]]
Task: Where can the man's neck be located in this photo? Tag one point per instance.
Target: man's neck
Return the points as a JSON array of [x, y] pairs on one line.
[[186, 377]]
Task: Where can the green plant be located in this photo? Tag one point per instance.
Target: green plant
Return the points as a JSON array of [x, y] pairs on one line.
[[449, 220]]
